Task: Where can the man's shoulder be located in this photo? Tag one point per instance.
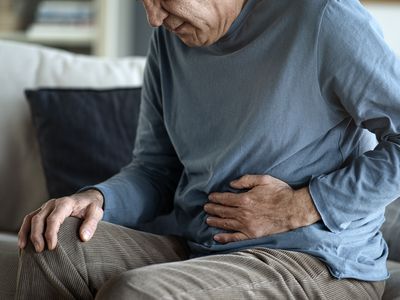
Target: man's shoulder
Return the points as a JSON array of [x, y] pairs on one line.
[[300, 11], [346, 9], [319, 6]]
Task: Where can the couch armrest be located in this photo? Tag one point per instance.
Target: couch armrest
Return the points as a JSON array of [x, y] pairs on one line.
[[392, 290], [391, 230], [9, 265]]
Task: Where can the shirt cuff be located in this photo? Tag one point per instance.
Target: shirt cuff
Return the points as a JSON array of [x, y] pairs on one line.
[[108, 196], [321, 198]]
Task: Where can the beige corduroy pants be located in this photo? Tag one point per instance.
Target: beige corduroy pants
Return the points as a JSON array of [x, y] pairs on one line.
[[121, 263]]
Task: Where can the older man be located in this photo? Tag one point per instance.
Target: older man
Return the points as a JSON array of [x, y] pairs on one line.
[[282, 90]]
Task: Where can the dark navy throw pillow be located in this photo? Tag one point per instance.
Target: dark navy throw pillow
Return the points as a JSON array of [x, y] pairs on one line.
[[85, 136]]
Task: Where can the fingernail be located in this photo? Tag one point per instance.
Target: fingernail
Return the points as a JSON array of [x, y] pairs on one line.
[[50, 246], [217, 238], [36, 245], [86, 235]]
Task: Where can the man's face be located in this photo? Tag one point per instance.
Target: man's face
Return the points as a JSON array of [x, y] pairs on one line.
[[195, 22]]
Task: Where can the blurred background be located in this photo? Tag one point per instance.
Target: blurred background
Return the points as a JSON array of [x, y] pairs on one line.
[[116, 28], [111, 28]]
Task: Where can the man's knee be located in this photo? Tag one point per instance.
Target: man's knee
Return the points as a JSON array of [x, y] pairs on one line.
[[67, 251], [67, 237], [68, 233], [61, 272]]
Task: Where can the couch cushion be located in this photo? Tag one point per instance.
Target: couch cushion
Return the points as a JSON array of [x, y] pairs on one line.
[[85, 135], [392, 290], [391, 230], [9, 265], [22, 184]]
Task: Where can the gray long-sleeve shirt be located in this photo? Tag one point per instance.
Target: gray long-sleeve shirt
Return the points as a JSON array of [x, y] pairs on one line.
[[293, 90]]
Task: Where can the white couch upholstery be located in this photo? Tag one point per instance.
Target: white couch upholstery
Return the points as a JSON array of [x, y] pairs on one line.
[[22, 184]]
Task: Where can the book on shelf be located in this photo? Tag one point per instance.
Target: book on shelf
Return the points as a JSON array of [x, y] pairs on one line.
[[53, 32], [65, 12], [63, 21]]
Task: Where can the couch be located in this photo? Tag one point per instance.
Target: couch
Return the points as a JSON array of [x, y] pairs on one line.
[[22, 182]]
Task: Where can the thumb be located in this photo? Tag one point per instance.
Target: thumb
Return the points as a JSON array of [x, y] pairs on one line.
[[250, 181], [92, 217]]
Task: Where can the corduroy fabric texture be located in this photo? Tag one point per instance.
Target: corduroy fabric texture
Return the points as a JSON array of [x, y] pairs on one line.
[[250, 274], [121, 263], [76, 270]]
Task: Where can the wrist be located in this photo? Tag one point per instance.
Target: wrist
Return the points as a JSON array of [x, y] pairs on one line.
[[308, 213]]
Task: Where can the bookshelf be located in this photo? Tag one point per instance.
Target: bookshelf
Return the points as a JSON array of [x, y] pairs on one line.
[[108, 33]]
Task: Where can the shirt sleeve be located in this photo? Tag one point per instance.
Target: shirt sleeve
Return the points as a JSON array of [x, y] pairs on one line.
[[359, 76], [145, 188]]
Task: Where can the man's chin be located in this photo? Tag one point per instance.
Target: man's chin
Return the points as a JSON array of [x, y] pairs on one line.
[[192, 43]]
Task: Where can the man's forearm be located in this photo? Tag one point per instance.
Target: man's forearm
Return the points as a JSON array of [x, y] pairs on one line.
[[134, 196]]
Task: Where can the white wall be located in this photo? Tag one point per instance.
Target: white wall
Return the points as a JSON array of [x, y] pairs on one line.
[[388, 16], [116, 28]]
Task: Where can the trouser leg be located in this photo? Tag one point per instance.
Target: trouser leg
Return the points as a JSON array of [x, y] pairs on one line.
[[76, 270], [251, 274]]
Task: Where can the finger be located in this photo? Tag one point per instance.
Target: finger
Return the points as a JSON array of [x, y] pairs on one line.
[[224, 238], [37, 228], [25, 229], [221, 210], [92, 217], [54, 221], [227, 199], [226, 224], [250, 181]]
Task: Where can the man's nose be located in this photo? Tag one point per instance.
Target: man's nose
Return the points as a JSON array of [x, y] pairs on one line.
[[155, 13]]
